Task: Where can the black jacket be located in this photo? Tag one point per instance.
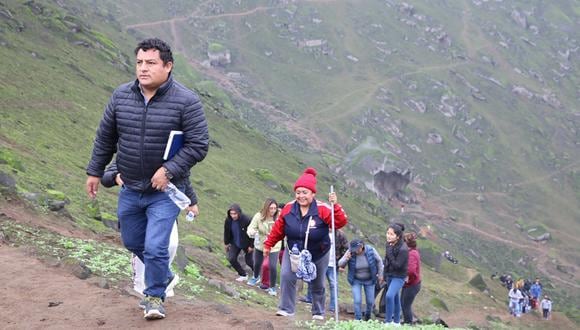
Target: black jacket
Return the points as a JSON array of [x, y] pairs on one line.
[[140, 134], [396, 260], [108, 180], [244, 223]]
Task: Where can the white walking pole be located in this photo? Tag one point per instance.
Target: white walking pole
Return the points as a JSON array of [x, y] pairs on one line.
[[333, 254]]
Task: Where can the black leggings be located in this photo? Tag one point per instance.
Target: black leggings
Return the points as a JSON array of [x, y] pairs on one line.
[[407, 297]]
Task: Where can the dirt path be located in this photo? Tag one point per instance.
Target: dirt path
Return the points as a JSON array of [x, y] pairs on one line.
[[29, 287], [544, 263]]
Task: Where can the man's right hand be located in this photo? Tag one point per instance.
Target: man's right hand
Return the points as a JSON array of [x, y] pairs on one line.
[[227, 247], [92, 185], [266, 252]]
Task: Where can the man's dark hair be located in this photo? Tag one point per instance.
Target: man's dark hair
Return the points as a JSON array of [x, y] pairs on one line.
[[160, 45]]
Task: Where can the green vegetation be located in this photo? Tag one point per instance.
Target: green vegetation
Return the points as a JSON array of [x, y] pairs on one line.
[[361, 325], [439, 304], [215, 48], [478, 282]]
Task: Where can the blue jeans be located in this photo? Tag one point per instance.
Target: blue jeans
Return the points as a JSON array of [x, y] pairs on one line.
[[146, 221], [393, 300], [369, 288], [331, 285]]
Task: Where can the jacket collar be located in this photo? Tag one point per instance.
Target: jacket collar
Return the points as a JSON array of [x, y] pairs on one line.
[[312, 211], [160, 91]]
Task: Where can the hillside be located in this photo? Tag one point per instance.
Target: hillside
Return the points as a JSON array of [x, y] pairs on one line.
[[477, 98], [63, 59]]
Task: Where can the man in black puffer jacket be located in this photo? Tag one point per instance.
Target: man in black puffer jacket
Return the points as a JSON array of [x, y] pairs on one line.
[[136, 125]]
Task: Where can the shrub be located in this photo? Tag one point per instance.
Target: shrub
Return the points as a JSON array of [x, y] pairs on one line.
[[438, 303], [478, 282]]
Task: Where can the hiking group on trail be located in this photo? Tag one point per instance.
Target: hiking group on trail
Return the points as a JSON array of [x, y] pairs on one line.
[[524, 296], [303, 235]]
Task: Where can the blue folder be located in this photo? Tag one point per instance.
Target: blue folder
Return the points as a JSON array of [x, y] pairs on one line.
[[174, 143]]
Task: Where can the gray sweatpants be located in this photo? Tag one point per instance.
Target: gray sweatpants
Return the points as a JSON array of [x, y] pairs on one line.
[[288, 286]]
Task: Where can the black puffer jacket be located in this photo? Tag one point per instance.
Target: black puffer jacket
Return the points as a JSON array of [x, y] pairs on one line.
[[141, 131]]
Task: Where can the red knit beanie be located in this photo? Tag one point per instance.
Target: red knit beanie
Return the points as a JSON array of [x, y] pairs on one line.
[[307, 180]]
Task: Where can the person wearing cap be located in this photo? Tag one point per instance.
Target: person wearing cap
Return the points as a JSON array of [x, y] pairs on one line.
[[365, 268], [412, 284], [396, 262], [305, 212]]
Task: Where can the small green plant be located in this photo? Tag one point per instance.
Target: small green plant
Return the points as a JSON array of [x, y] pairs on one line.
[[8, 157], [192, 271], [67, 244], [193, 289], [263, 174], [331, 324], [214, 48]]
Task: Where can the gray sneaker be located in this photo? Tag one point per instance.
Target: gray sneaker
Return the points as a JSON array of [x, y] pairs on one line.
[[142, 303], [154, 308]]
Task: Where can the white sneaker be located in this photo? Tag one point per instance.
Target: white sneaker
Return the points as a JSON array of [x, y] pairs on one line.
[[272, 292], [318, 317], [169, 290], [242, 278], [284, 313]]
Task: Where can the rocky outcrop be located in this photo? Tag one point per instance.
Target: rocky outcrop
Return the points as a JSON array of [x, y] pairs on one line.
[[387, 185]]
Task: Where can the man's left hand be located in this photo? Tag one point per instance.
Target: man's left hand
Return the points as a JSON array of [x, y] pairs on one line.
[[159, 180]]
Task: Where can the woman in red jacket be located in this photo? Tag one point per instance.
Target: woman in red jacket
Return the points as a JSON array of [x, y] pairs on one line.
[[412, 284], [305, 215]]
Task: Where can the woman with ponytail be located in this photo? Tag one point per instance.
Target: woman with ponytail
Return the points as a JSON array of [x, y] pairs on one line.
[[396, 261]]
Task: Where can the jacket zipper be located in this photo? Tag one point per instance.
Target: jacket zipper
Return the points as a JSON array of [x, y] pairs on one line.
[[142, 146]]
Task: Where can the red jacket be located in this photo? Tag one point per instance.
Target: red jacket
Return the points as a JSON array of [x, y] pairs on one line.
[[292, 225], [414, 268]]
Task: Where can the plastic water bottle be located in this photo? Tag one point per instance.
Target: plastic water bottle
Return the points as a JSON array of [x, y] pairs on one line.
[[190, 216], [295, 250], [177, 196], [294, 258], [256, 239]]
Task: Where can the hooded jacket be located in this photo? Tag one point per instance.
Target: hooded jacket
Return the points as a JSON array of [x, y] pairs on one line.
[[244, 223], [138, 134]]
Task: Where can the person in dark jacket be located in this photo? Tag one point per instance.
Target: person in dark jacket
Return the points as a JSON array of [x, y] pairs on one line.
[[305, 215], [136, 125], [396, 262], [365, 269], [236, 239], [412, 284]]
